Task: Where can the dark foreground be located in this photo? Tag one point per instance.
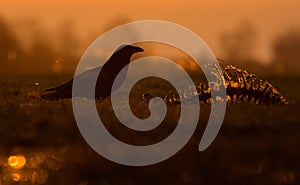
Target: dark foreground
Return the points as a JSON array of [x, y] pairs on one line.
[[257, 144]]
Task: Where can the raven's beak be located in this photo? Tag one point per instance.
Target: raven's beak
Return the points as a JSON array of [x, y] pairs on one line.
[[137, 49]]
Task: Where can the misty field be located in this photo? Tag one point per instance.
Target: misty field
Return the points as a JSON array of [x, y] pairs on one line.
[[257, 144]]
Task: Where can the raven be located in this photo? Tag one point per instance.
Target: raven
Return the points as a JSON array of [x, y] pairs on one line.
[[109, 71]]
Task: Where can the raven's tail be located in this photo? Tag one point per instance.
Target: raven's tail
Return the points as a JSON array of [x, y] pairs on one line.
[[58, 92]]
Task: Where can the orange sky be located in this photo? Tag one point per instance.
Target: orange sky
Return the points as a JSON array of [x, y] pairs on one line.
[[208, 19]]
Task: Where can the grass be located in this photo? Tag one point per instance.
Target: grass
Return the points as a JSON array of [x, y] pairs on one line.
[[257, 144]]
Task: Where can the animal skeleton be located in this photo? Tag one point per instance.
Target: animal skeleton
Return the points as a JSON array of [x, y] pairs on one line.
[[240, 86]]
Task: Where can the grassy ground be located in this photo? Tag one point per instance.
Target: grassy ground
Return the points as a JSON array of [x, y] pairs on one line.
[[257, 144]]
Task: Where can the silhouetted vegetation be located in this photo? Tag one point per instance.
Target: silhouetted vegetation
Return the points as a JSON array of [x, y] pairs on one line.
[[10, 49]]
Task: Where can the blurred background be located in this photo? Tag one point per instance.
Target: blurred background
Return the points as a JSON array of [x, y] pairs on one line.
[[50, 36]]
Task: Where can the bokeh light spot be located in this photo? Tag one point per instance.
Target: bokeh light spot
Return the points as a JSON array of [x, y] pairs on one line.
[[17, 162]]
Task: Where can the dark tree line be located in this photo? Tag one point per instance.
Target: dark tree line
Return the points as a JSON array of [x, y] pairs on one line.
[[42, 55], [239, 45], [59, 53], [286, 52]]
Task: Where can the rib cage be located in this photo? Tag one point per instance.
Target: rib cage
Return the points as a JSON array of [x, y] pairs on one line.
[[240, 86]]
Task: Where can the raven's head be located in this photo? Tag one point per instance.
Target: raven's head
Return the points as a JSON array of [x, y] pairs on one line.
[[135, 49], [128, 49], [121, 57]]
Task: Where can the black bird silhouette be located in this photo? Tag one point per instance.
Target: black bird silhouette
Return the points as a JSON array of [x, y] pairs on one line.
[[109, 71]]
